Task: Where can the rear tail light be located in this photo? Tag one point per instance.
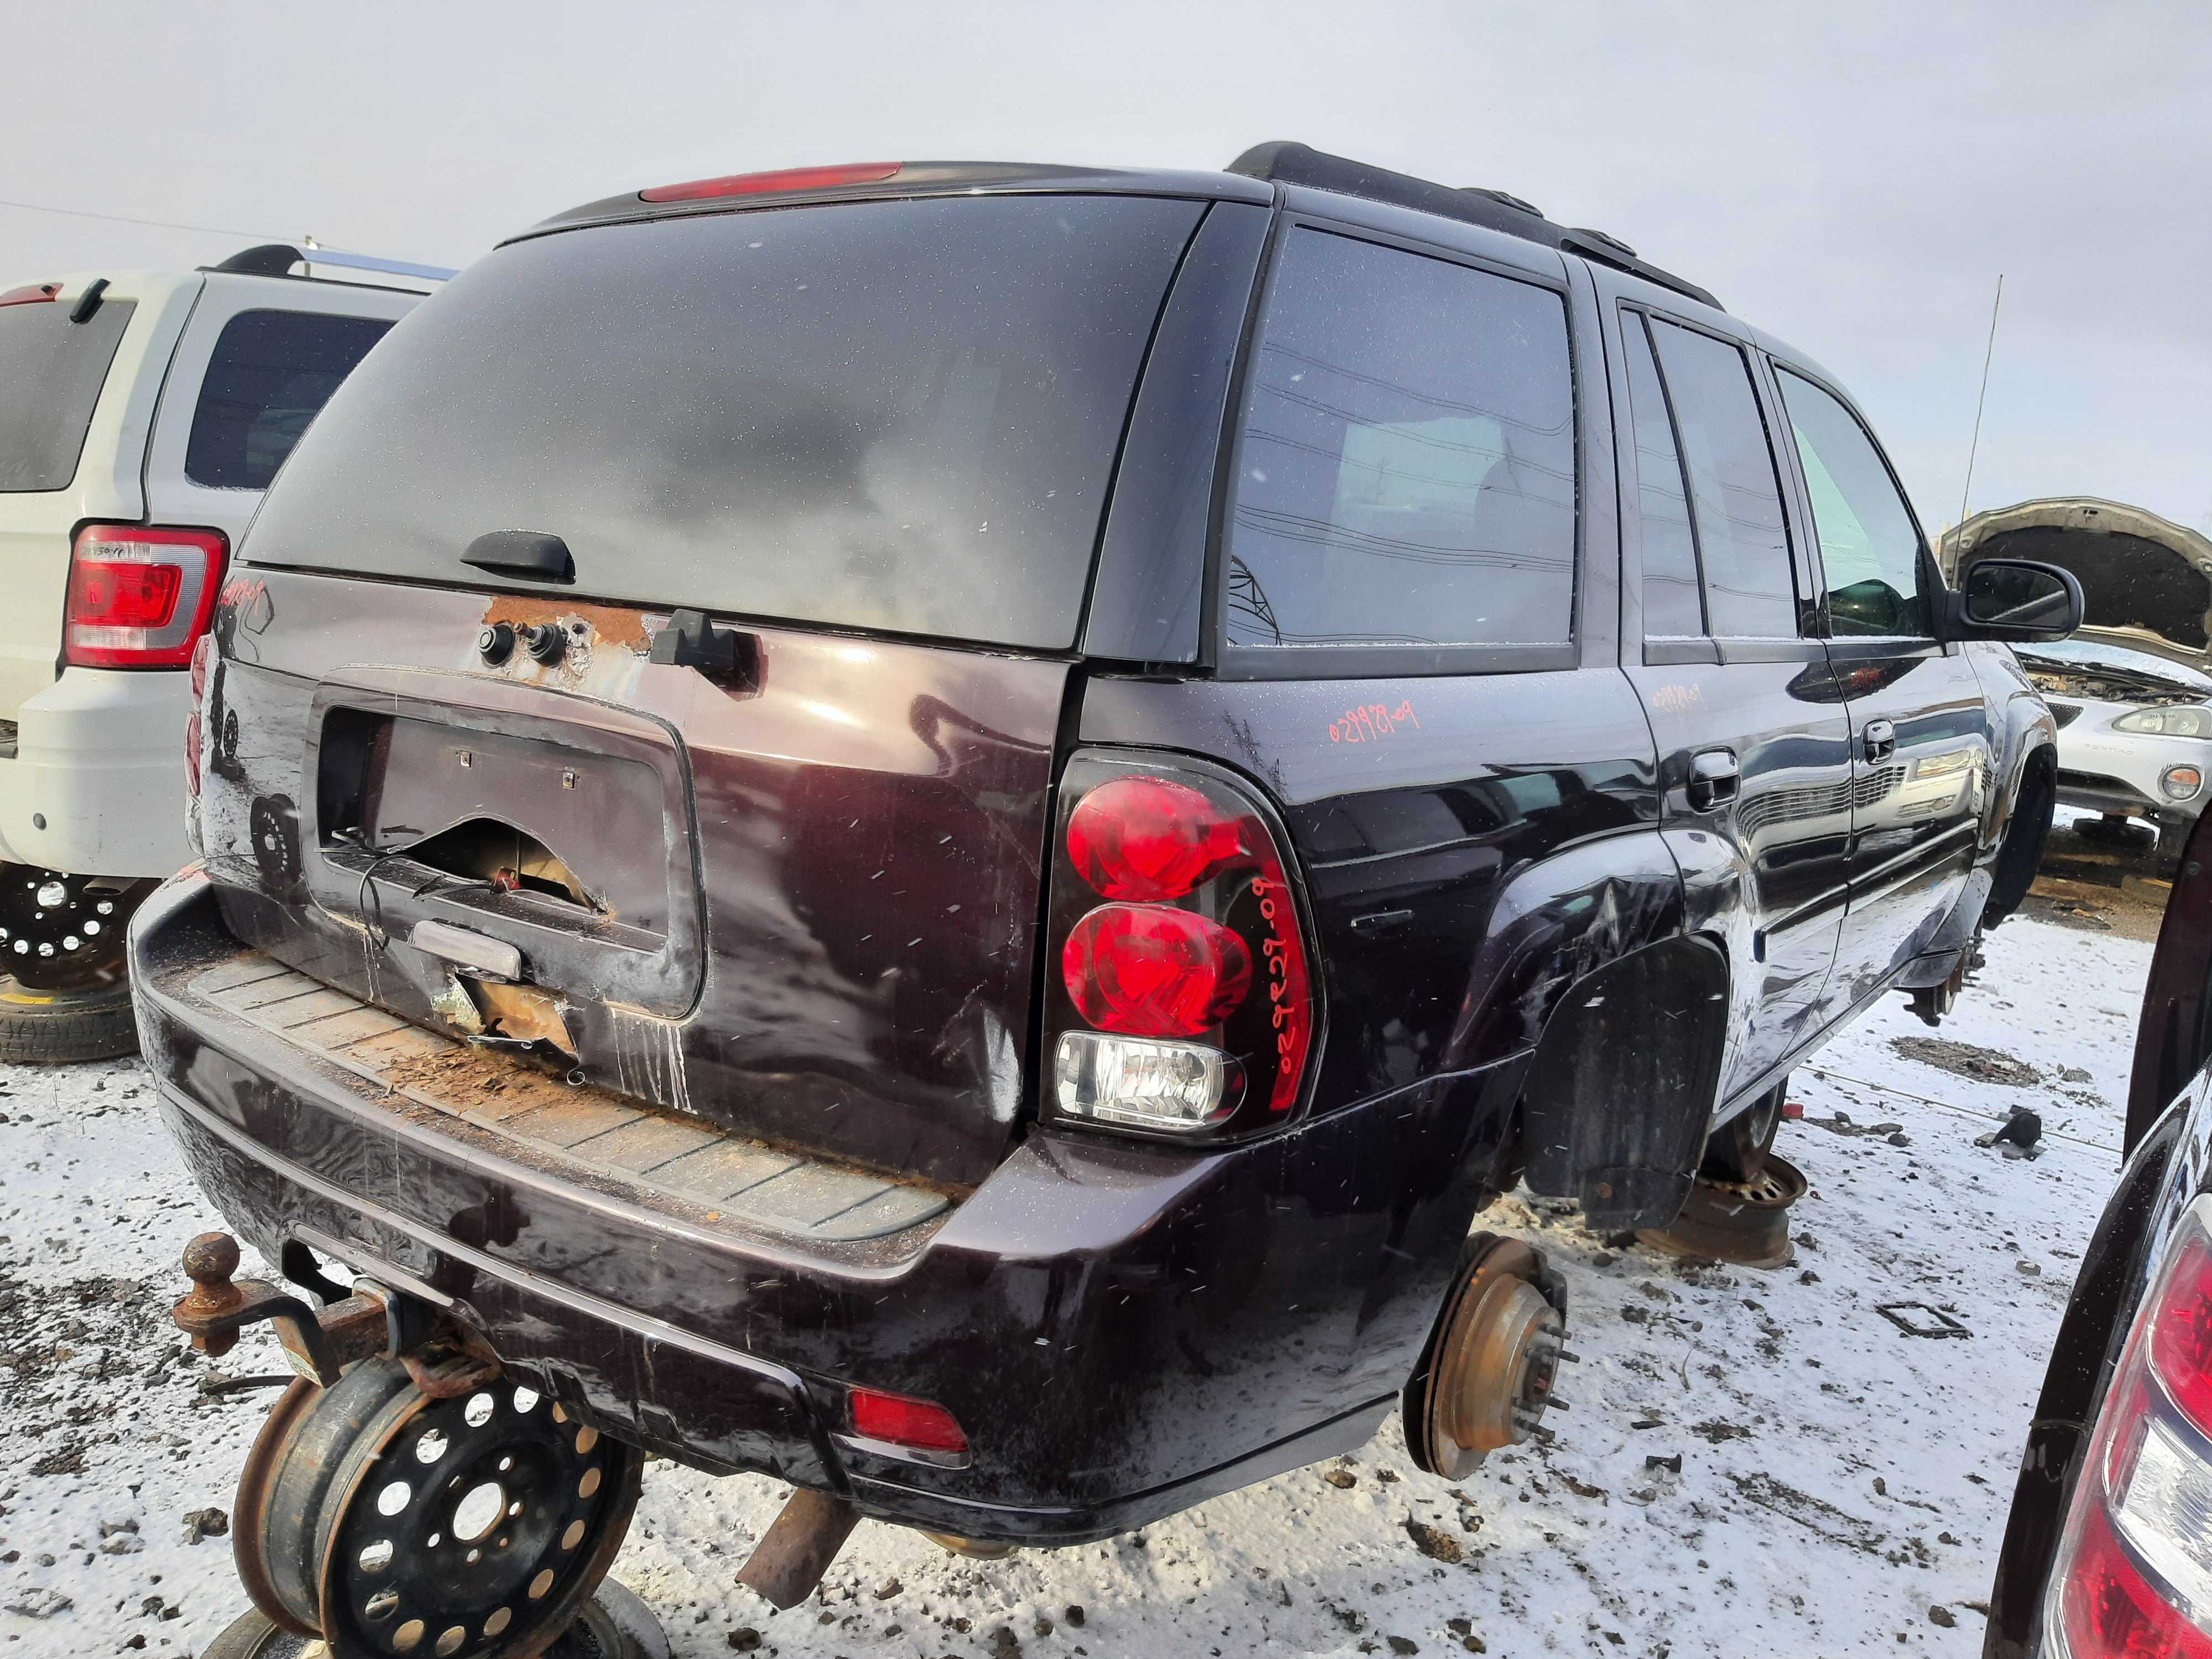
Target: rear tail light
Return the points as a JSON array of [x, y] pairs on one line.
[[31, 294], [2133, 1575], [782, 181], [1183, 1000], [140, 595]]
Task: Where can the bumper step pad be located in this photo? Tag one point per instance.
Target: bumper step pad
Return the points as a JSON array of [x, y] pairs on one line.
[[740, 1181]]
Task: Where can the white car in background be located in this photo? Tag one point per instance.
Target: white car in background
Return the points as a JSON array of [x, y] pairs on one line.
[[2132, 689], [2135, 731], [142, 416]]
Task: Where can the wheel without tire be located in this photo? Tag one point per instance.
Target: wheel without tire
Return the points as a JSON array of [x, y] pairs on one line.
[[614, 1624], [390, 1523], [1737, 1150]]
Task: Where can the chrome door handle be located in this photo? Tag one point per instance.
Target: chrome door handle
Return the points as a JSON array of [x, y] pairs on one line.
[[1715, 777], [1880, 741]]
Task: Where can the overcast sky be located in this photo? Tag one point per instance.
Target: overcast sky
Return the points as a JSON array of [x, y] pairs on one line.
[[1852, 178]]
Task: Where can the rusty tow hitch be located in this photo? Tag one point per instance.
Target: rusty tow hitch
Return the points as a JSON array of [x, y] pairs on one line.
[[319, 1344], [403, 1495]]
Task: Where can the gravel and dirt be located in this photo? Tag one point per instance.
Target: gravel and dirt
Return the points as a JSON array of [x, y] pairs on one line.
[[1753, 1461]]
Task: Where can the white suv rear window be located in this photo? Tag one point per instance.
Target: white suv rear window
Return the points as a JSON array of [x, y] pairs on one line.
[[51, 373]]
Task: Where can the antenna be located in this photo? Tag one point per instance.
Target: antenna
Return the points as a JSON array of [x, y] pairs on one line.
[[1982, 398]]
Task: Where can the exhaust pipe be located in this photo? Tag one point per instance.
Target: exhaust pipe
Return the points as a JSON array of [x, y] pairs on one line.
[[795, 1553]]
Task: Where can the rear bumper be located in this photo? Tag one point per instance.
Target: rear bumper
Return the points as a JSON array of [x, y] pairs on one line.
[[96, 786], [1123, 1331]]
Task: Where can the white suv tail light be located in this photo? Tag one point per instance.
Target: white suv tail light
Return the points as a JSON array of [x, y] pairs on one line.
[[140, 595], [2133, 1575]]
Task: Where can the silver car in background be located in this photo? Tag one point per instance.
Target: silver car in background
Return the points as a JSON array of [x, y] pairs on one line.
[[2132, 689]]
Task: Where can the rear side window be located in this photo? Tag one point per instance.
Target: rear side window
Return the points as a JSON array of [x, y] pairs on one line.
[[1672, 606], [272, 374], [897, 415], [1737, 496], [51, 373], [1406, 472], [1869, 546]]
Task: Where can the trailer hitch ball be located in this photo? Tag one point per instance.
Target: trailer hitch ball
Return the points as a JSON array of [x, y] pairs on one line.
[[210, 1260]]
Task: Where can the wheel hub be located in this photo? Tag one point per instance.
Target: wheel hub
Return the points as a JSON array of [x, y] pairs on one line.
[[58, 930], [396, 1524], [1496, 1359]]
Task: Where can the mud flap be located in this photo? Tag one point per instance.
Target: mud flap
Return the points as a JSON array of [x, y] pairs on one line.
[[1617, 1101]]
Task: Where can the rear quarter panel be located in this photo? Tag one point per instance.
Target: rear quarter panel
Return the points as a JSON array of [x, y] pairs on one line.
[[36, 527]]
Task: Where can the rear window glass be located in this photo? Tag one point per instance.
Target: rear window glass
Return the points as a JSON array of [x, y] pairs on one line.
[[1407, 475], [51, 373], [899, 416], [271, 373]]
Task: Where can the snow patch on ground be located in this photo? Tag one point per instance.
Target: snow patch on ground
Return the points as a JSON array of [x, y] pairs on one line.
[[1839, 1478]]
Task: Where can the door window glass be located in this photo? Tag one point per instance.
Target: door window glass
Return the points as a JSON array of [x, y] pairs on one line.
[[272, 374], [1869, 546], [1671, 604], [1407, 466], [1749, 592]]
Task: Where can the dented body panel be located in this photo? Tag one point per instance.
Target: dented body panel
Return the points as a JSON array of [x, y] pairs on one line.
[[815, 897]]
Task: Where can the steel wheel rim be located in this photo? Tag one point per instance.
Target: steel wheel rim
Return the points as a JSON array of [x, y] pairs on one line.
[[472, 1526], [327, 1549]]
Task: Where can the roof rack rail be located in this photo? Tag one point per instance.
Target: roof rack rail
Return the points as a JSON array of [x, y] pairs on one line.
[[277, 259], [1288, 163]]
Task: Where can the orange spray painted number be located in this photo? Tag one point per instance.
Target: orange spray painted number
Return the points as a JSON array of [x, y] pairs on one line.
[[1373, 721]]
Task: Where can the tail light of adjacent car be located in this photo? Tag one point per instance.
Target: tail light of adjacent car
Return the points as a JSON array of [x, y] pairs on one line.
[[1181, 998], [782, 181], [203, 651], [140, 595], [2133, 1574]]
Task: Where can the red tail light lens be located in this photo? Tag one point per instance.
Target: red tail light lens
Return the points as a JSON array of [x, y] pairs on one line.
[[1184, 1003], [2133, 1574], [767, 184], [140, 595], [1149, 838], [1146, 970], [900, 1420], [30, 294]]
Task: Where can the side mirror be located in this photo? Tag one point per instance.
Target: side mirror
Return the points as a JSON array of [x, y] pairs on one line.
[[2016, 599]]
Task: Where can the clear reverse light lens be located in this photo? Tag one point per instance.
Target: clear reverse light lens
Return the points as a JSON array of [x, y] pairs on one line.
[[2166, 1512], [1143, 1082]]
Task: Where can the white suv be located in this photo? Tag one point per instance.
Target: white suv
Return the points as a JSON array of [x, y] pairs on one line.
[[142, 416]]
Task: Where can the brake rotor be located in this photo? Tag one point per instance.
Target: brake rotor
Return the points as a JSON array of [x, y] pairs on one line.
[[60, 931], [394, 1524], [1496, 1357]]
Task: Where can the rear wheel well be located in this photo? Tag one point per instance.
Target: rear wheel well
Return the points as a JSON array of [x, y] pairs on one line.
[[1614, 1107]]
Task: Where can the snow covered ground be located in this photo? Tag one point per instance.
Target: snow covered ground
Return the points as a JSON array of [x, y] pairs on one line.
[[1842, 1485]]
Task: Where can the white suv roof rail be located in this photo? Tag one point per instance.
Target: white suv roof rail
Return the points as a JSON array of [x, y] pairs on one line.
[[277, 259]]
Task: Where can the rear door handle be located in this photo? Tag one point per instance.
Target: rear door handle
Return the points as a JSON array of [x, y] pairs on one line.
[[1714, 778], [1881, 739]]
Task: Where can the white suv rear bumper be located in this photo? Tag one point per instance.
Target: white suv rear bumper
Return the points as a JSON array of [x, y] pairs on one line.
[[97, 786]]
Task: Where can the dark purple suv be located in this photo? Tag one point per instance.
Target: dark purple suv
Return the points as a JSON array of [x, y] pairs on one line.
[[935, 830]]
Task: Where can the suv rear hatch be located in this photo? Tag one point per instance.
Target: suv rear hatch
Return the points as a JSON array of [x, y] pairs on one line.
[[654, 655]]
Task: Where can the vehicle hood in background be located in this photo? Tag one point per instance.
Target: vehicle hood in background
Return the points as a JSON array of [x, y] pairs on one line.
[[2146, 580]]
